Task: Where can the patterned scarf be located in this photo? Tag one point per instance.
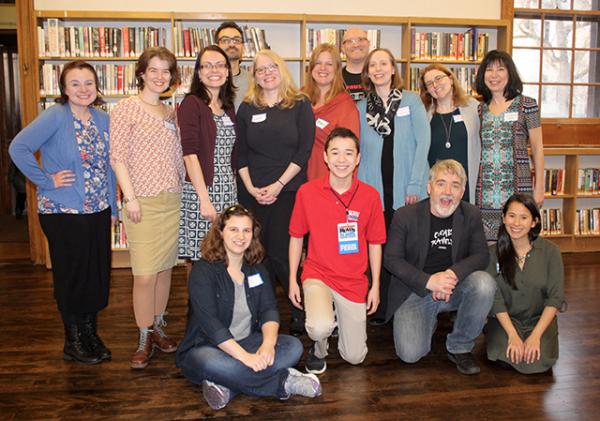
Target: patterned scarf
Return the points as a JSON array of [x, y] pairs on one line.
[[379, 117]]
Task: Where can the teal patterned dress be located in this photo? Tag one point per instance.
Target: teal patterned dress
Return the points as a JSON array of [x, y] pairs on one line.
[[504, 168]]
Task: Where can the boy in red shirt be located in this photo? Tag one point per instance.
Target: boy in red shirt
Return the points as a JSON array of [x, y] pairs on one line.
[[345, 220]]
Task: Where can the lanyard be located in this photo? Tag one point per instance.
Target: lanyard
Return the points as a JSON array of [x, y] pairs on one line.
[[342, 202]]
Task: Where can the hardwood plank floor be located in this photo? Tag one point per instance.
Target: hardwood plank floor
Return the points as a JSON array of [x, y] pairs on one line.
[[36, 384]]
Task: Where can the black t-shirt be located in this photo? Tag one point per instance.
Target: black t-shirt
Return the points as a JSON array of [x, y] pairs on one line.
[[353, 84], [457, 141], [439, 257]]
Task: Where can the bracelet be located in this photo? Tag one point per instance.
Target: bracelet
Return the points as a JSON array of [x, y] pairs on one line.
[[129, 199], [279, 181]]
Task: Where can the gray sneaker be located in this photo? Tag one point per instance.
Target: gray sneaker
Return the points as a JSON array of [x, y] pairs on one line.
[[216, 396], [298, 383]]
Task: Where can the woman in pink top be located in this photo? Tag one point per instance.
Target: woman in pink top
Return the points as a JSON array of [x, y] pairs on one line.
[[147, 159], [332, 105]]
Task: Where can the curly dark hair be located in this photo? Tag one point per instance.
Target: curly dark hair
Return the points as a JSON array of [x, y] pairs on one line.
[[212, 247]]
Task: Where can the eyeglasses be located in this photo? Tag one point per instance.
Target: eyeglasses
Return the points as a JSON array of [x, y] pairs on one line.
[[435, 81], [212, 66], [231, 40], [271, 68], [359, 40]]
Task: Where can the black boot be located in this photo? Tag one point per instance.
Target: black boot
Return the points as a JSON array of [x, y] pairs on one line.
[[90, 338], [75, 349]]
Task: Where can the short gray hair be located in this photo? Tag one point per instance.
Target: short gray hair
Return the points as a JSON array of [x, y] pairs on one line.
[[449, 165]]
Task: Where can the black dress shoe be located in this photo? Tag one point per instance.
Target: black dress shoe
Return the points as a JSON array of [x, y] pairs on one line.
[[376, 321], [465, 363], [296, 327]]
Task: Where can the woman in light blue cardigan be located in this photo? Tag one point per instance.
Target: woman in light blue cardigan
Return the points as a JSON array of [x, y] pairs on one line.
[[76, 197], [394, 143]]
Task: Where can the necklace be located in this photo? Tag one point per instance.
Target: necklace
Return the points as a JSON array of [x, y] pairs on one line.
[[148, 103], [447, 130]]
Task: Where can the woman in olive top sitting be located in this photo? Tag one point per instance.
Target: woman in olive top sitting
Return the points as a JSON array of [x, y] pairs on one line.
[[529, 272], [232, 343]]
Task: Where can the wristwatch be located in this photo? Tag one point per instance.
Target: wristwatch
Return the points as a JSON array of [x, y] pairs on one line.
[[129, 199]]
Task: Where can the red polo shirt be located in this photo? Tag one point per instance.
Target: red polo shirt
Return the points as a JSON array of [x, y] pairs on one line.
[[318, 211]]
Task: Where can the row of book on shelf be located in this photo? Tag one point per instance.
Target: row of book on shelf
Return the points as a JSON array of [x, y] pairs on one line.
[[189, 41], [554, 181], [471, 45], [57, 40], [588, 180], [587, 221], [551, 221], [118, 236]]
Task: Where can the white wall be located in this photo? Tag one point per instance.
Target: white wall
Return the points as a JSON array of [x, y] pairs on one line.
[[478, 9]]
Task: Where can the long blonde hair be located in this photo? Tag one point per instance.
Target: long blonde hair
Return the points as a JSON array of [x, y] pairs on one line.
[[337, 85], [287, 90], [459, 97]]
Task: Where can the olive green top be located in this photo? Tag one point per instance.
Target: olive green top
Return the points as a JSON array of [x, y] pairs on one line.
[[539, 284]]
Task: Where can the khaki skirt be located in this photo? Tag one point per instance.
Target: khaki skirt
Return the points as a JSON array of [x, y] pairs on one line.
[[153, 241]]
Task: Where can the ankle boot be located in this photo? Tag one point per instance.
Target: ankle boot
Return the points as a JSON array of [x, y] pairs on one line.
[[91, 339], [161, 340], [141, 357], [75, 349]]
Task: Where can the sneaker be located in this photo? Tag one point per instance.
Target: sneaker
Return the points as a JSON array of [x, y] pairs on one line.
[[376, 321], [296, 327], [216, 396], [314, 364], [465, 363], [298, 383]]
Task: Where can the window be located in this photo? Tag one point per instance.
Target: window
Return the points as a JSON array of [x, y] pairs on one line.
[[556, 47]]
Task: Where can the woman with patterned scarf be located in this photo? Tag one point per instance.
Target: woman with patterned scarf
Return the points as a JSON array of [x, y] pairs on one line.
[[394, 143]]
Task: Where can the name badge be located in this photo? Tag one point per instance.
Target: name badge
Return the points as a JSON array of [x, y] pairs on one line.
[[458, 118], [512, 116], [226, 120], [255, 280], [403, 112], [321, 124], [348, 238], [259, 118], [352, 216], [170, 125]]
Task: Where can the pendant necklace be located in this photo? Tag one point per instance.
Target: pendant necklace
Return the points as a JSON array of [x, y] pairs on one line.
[[447, 130]]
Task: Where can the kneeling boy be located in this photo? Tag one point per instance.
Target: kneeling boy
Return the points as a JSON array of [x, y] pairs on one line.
[[345, 221]]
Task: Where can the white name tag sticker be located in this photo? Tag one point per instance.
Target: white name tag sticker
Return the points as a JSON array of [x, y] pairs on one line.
[[259, 118], [255, 280], [227, 121], [512, 116], [458, 118], [403, 112], [321, 124], [170, 125]]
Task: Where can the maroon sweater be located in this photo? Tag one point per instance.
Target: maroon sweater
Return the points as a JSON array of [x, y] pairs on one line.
[[199, 132]]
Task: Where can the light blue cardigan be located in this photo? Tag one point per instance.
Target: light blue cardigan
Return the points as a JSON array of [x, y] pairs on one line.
[[53, 134], [412, 137]]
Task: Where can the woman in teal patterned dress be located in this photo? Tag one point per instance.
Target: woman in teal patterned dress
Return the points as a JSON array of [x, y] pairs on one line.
[[510, 123]]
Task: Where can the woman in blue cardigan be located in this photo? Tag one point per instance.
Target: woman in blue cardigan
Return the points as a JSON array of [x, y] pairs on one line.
[[394, 143], [76, 197]]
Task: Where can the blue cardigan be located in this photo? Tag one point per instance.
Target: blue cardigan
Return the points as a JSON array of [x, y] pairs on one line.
[[412, 137], [53, 134]]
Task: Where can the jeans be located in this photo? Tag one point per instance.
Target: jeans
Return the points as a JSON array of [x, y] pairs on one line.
[[210, 363], [416, 319]]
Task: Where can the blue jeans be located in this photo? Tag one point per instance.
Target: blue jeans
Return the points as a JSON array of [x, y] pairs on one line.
[[416, 319], [210, 363]]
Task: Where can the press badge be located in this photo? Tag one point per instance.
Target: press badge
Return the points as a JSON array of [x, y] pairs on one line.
[[259, 118], [226, 121], [255, 280], [348, 238], [170, 125], [512, 116], [321, 124]]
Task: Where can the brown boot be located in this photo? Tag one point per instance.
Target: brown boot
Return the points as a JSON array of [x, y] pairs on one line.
[[160, 338], [141, 357]]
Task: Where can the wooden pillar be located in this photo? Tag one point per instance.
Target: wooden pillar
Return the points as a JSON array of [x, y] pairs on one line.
[[28, 72]]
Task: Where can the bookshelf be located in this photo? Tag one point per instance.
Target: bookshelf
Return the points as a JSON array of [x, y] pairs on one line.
[[287, 34], [577, 200]]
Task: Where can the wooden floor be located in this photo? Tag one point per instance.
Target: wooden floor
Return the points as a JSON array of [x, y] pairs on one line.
[[35, 383]]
